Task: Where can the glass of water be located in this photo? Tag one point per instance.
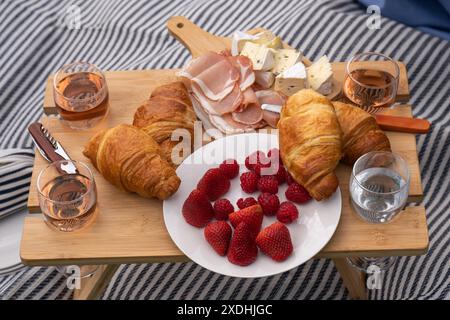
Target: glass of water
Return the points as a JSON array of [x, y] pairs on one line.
[[379, 187]]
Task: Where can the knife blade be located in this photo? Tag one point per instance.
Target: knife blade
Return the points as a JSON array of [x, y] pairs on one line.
[[50, 148]]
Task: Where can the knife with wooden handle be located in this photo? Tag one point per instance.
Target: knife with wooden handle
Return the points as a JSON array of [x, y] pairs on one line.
[[402, 124], [386, 122]]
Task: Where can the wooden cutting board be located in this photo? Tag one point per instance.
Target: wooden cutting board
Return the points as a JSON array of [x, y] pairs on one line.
[[131, 229]]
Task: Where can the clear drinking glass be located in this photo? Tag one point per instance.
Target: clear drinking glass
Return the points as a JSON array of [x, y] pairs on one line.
[[371, 86], [68, 200], [81, 95], [379, 187]]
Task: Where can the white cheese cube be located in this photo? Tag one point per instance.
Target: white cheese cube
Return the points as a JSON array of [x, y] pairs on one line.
[[291, 80], [320, 76], [285, 58], [261, 56]]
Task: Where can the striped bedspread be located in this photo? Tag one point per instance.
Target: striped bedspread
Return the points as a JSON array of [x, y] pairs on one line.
[[36, 38]]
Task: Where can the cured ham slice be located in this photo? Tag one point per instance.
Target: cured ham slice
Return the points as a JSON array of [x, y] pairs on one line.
[[270, 97], [213, 74], [274, 98], [251, 115], [248, 97], [271, 118], [245, 66], [220, 107]]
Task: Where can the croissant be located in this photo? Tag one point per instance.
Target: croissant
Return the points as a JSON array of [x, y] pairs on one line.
[[168, 108], [310, 142], [132, 161], [360, 132]]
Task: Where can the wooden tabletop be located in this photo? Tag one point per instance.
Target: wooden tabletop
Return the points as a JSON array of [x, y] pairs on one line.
[[131, 229]]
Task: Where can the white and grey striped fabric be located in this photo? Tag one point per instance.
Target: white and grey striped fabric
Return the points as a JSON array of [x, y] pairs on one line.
[[35, 40]]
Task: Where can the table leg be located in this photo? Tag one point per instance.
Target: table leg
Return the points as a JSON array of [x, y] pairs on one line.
[[92, 287], [353, 279]]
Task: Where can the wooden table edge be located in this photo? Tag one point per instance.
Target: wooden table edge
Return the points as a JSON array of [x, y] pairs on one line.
[[32, 261]]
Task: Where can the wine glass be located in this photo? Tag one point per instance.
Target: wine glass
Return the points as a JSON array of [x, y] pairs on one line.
[[371, 86], [68, 202]]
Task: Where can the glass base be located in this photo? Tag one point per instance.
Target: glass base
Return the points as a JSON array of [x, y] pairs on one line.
[[364, 263], [86, 271]]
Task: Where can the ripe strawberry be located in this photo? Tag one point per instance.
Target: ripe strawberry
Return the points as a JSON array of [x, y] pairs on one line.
[[249, 181], [222, 208], [243, 250], [214, 184], [257, 157], [289, 178], [230, 168], [247, 202], [197, 210], [268, 184], [297, 193], [269, 203], [218, 235], [274, 154], [275, 241], [287, 212], [253, 216]]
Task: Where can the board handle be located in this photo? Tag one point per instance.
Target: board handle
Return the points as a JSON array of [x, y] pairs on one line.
[[194, 38], [402, 124]]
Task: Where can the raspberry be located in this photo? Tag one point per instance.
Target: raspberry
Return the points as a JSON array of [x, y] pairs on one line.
[[230, 168], [259, 169], [289, 178], [247, 202], [222, 208], [268, 184], [274, 154], [297, 193], [269, 203], [249, 181], [257, 157], [287, 212], [281, 174], [214, 184]]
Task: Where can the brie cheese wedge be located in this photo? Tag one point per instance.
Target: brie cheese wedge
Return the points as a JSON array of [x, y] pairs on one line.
[[238, 40], [285, 58], [292, 79], [320, 76], [262, 57]]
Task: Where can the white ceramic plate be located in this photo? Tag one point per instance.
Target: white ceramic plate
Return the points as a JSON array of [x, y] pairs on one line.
[[10, 235], [310, 233]]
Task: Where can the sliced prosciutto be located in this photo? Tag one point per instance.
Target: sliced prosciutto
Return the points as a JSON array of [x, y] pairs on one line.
[[245, 66], [221, 90], [251, 115], [273, 98], [219, 107], [213, 74]]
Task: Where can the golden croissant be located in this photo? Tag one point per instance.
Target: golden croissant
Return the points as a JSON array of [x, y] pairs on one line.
[[168, 108], [360, 132], [132, 161], [310, 142]]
